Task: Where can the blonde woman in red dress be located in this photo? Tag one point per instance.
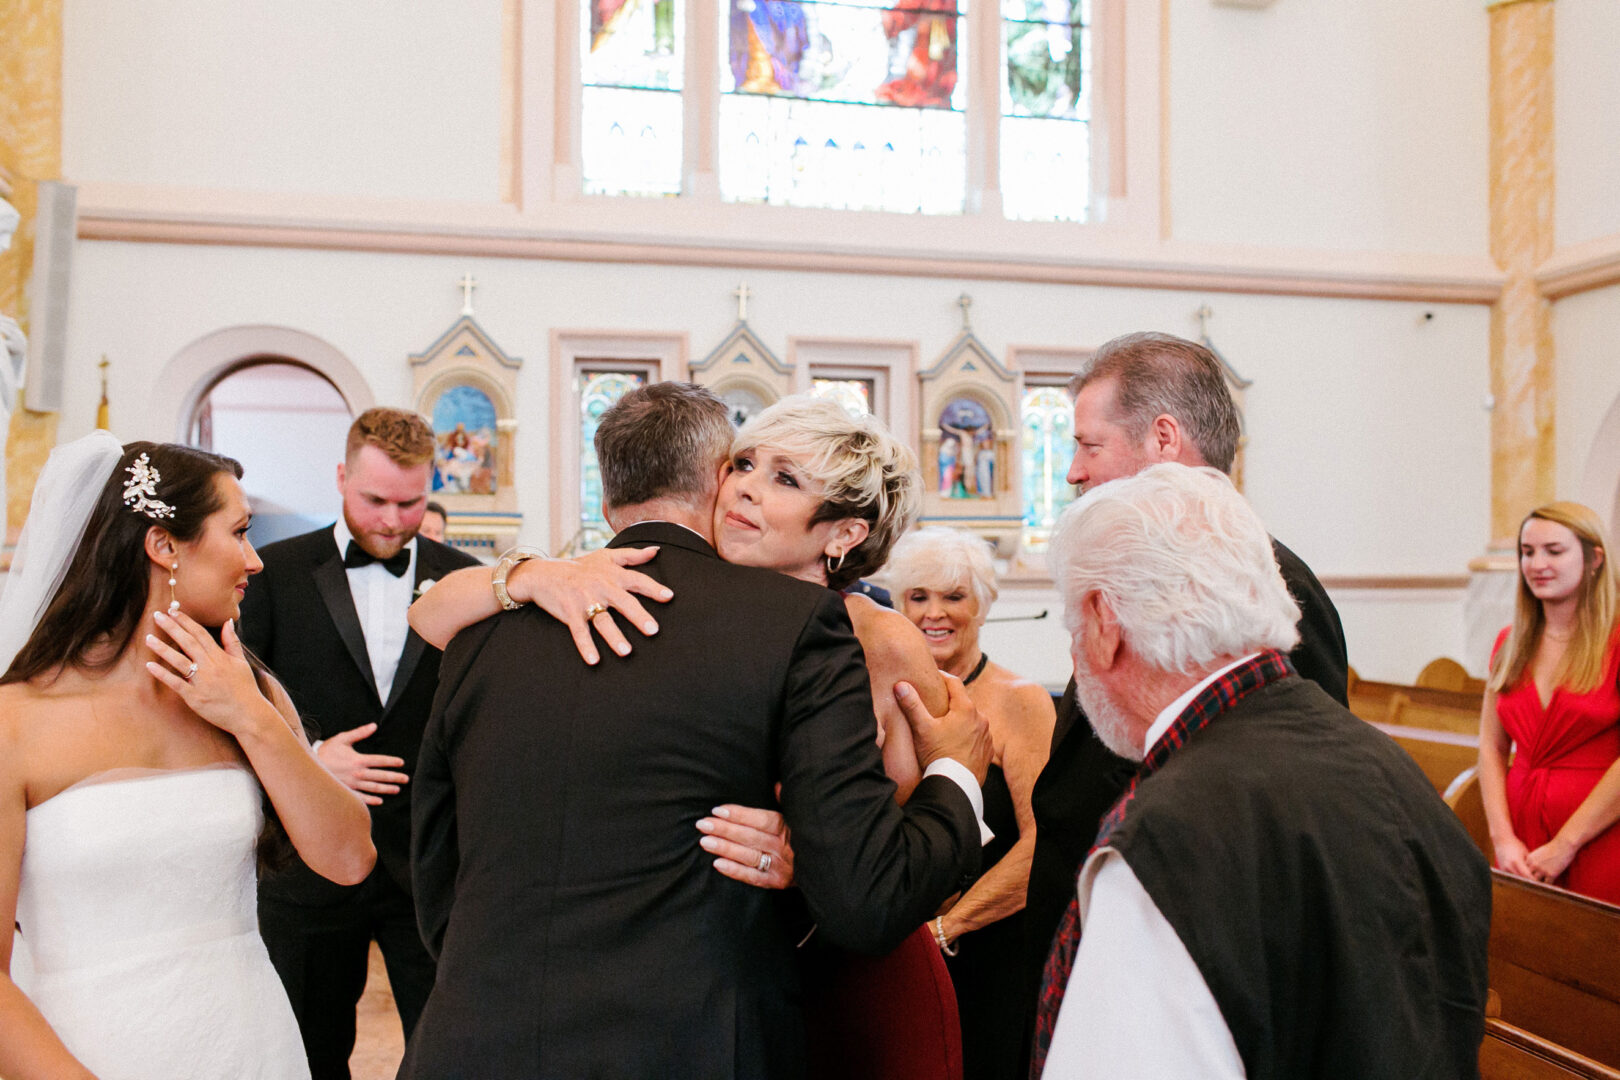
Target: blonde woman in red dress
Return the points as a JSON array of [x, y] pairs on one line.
[[1553, 700]]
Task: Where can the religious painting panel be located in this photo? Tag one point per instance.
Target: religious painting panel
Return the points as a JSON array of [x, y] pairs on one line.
[[967, 453], [465, 442], [1046, 109], [852, 104], [632, 67]]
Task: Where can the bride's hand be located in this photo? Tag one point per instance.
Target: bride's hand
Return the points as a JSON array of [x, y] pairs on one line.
[[216, 682], [579, 593]]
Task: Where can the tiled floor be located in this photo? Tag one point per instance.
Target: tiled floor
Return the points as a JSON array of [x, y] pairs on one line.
[[378, 1043]]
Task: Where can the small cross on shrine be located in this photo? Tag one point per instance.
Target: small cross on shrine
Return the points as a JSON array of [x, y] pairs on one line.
[[965, 302], [742, 293], [468, 284], [1204, 313]]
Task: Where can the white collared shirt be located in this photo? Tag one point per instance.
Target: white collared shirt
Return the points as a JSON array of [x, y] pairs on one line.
[[1137, 1007], [381, 600]]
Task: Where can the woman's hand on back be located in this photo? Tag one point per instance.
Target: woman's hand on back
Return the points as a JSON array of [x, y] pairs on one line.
[[579, 593]]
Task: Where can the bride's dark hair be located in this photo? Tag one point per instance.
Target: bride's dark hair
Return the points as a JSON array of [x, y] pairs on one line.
[[103, 595]]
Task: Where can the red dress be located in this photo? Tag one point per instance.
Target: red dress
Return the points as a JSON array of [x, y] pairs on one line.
[[1561, 752]]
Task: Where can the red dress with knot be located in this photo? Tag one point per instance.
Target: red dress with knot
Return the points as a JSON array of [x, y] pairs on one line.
[[1561, 751]]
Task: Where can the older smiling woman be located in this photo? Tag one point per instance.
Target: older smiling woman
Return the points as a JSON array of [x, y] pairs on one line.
[[944, 582]]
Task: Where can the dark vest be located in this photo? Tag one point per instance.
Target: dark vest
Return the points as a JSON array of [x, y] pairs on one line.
[[1333, 903]]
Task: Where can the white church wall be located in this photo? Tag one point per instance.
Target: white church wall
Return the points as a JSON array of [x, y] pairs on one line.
[[1347, 124], [1586, 327], [1368, 452], [1587, 96], [296, 97]]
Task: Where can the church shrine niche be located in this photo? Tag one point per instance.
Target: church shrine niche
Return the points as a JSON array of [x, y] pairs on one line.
[[742, 370], [465, 385], [971, 443]]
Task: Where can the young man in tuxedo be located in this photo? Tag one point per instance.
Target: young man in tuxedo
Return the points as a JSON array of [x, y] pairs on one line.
[[328, 616]]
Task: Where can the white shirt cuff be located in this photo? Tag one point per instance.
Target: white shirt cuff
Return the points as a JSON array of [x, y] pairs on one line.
[[962, 777]]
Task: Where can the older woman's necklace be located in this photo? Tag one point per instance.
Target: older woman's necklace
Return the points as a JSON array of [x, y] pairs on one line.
[[978, 669]]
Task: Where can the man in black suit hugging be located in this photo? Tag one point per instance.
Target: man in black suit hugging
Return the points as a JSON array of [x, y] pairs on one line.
[[328, 615], [580, 930]]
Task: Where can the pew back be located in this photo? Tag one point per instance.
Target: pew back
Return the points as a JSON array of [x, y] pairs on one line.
[[1442, 755], [1555, 963]]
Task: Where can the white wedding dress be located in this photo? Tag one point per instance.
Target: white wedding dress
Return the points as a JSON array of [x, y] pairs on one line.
[[138, 909]]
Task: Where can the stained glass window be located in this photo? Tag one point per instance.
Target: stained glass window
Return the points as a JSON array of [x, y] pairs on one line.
[[631, 62], [597, 390], [1048, 418], [855, 395], [849, 104], [1046, 109]]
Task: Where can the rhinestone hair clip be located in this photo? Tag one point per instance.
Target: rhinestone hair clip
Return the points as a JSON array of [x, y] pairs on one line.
[[140, 491]]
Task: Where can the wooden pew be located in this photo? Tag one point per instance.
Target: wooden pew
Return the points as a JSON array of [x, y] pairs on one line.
[[1511, 1053], [1465, 800], [1555, 965], [1447, 710], [1457, 714], [1445, 673], [1442, 755]]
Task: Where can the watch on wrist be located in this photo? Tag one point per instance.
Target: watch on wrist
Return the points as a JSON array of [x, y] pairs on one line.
[[503, 569]]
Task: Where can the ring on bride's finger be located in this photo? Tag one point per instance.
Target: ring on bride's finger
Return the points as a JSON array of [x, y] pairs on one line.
[[764, 863], [187, 676], [594, 610]]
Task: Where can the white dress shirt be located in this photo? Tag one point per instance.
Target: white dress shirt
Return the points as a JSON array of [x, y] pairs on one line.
[[1137, 1007], [381, 600]]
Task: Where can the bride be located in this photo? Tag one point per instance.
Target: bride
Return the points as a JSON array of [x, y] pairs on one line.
[[136, 753]]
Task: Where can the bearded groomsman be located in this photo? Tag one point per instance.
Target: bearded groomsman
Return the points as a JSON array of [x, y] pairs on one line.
[[328, 616]]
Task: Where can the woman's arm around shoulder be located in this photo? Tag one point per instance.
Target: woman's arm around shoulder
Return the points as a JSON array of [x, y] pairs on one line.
[[29, 1049]]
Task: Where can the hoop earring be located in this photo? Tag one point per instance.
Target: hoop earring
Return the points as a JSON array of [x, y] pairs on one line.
[[174, 605], [834, 567]]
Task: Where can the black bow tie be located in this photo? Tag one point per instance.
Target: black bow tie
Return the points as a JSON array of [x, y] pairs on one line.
[[396, 564]]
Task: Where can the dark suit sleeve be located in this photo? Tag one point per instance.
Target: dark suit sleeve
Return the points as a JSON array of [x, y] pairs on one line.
[[870, 871], [255, 625], [435, 855], [1320, 656]]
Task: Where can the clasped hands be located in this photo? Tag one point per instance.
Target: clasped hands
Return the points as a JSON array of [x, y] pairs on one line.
[[1546, 863]]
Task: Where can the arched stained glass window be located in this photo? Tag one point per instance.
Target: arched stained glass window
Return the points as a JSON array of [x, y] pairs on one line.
[[1046, 109], [855, 395], [631, 62], [1048, 447], [848, 104], [598, 391]]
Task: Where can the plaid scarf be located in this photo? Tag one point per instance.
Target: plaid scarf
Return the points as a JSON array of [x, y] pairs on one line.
[[1232, 686]]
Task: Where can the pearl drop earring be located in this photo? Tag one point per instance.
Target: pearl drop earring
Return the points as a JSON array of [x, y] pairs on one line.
[[174, 605]]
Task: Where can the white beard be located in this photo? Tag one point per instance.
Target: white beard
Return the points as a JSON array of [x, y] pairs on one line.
[[1106, 718]]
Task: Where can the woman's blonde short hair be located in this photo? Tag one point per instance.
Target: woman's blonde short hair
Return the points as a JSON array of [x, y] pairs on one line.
[[863, 471], [1596, 601], [944, 559]]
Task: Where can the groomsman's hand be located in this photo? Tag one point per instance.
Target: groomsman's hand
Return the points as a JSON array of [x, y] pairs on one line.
[[371, 775], [961, 734]]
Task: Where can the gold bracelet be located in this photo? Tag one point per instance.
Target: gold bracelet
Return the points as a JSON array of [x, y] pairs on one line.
[[504, 567], [939, 935]]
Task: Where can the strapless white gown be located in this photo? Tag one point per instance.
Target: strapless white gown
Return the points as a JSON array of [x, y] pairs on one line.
[[138, 909]]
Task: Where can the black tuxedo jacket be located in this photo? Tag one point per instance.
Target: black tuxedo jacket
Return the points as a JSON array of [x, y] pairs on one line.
[[1082, 777], [299, 618], [579, 928]]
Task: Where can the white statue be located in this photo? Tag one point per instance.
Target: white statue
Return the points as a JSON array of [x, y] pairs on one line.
[[9, 220]]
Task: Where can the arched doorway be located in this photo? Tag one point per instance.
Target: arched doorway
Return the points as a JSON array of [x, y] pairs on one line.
[[286, 423]]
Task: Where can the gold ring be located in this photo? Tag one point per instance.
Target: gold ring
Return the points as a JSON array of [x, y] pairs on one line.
[[594, 610]]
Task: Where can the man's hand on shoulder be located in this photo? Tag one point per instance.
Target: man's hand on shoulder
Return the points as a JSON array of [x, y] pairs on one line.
[[961, 734]]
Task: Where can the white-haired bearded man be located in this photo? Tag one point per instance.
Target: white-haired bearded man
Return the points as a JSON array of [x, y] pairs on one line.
[[1279, 892]]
